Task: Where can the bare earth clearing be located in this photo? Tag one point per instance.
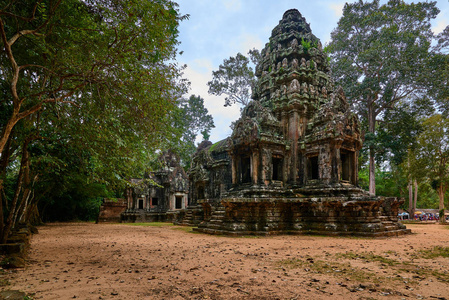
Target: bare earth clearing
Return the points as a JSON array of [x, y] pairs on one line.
[[119, 261]]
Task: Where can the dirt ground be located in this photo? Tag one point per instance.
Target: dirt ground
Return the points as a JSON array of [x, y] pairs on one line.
[[121, 261]]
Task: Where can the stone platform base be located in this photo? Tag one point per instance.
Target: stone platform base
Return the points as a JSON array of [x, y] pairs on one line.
[[334, 216], [141, 216], [394, 233]]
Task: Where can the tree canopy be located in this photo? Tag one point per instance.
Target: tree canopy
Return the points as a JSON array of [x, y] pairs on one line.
[[88, 88], [381, 55], [193, 119], [235, 78], [430, 158]]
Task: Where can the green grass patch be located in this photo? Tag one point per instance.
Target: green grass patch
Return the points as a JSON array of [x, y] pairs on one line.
[[424, 272], [437, 251], [4, 280], [417, 222], [331, 268], [150, 224], [368, 256], [188, 229]]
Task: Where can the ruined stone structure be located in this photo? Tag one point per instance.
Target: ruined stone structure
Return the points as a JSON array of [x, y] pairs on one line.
[[111, 210], [159, 195], [290, 164]]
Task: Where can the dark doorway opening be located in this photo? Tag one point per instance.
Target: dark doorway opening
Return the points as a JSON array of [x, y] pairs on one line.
[[155, 201], [313, 167], [345, 166], [178, 204], [245, 167], [200, 192], [277, 168], [140, 204]]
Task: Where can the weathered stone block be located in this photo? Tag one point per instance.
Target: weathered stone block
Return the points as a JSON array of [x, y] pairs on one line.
[[15, 248]]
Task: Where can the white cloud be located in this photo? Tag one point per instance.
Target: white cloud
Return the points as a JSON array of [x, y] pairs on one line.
[[337, 8], [232, 5], [440, 26], [248, 41], [199, 72]]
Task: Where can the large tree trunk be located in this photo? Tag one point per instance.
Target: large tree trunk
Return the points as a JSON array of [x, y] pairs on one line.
[[12, 214], [32, 217], [4, 160], [441, 191], [7, 131], [415, 198], [372, 165], [410, 200]]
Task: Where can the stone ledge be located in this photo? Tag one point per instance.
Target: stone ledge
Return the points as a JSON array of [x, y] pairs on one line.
[[394, 233]]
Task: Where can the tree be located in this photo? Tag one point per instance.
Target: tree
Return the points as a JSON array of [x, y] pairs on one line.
[[380, 55], [431, 157], [194, 119], [96, 77], [54, 50], [439, 77], [398, 136], [235, 78]]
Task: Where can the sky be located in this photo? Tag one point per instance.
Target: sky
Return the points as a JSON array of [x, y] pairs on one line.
[[218, 29]]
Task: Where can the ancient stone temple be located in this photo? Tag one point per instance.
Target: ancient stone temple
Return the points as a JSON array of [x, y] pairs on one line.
[[159, 195], [290, 164]]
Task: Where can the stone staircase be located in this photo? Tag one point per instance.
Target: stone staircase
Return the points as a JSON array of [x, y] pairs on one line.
[[191, 216], [215, 224], [393, 228]]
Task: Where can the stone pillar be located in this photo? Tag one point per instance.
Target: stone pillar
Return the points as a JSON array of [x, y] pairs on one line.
[[336, 162], [234, 169], [255, 166], [355, 168], [284, 123], [324, 163], [293, 135], [265, 160], [129, 198], [301, 168], [302, 124]]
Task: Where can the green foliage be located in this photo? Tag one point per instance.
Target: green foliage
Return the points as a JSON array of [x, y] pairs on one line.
[[388, 183], [192, 118], [427, 197], [306, 45], [429, 160], [235, 78], [368, 256], [438, 80], [435, 252], [95, 98], [430, 157], [381, 55], [399, 133]]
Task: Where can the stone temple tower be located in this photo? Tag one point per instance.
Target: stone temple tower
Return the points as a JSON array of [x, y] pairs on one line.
[[290, 164], [320, 136]]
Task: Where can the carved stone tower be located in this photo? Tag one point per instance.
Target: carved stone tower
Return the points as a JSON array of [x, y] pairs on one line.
[[299, 130], [292, 155]]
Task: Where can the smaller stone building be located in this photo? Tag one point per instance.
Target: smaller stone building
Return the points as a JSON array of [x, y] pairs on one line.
[[159, 195], [110, 210]]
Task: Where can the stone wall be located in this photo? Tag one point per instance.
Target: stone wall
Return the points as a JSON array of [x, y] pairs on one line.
[[111, 209]]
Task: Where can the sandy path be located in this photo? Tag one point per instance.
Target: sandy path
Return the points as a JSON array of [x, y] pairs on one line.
[[118, 261]]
